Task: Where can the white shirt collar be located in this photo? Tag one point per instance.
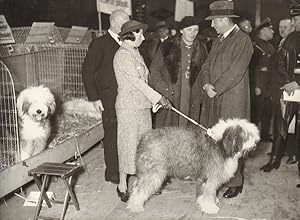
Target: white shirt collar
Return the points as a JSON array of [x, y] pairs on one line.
[[163, 39], [115, 36], [230, 30]]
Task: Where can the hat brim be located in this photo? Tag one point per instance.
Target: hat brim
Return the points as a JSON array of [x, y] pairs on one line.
[[257, 29], [195, 21], [221, 16], [135, 27]]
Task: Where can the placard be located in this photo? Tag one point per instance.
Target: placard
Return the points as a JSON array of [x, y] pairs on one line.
[[6, 36], [108, 6], [292, 98], [76, 34], [41, 32], [183, 8]]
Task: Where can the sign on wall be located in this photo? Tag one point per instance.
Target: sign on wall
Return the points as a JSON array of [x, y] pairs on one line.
[[183, 8], [6, 36], [108, 6]]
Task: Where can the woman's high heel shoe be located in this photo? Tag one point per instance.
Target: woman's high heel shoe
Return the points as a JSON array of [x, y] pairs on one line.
[[123, 195]]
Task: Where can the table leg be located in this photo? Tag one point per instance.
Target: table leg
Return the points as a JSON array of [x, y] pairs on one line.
[[68, 186], [39, 205], [39, 185]]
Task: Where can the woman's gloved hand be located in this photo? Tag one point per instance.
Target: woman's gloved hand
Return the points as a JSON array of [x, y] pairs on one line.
[[165, 103]]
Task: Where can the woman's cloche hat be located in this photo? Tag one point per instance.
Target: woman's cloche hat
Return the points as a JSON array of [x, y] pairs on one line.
[[132, 25], [188, 21], [221, 9]]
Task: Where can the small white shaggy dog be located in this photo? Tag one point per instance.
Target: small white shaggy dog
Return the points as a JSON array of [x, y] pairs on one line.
[[188, 152], [34, 105], [81, 107]]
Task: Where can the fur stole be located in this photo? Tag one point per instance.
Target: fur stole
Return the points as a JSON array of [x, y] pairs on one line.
[[171, 53]]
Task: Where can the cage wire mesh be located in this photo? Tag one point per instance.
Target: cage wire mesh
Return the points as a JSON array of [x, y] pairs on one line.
[[58, 68], [9, 141], [56, 65]]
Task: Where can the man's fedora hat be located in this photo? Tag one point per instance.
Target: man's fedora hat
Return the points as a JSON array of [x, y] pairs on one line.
[[221, 9], [265, 23], [131, 26], [188, 21]]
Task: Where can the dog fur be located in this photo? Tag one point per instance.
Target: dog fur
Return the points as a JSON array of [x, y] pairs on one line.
[[81, 107], [188, 152], [34, 106]]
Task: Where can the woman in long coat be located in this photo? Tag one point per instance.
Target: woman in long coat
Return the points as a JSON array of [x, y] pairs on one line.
[[134, 100], [174, 71]]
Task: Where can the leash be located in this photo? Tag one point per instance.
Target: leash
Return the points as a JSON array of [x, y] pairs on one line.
[[207, 131], [189, 119]]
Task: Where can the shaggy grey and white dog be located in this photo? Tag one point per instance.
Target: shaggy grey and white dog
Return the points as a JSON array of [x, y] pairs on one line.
[[188, 152], [34, 105]]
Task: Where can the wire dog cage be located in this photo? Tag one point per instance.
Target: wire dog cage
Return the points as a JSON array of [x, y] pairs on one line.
[[55, 64], [9, 138]]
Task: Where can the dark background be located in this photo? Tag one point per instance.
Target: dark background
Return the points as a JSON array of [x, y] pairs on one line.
[[66, 13]]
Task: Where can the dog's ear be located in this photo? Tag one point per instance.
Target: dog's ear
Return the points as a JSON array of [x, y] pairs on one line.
[[51, 108], [232, 140], [50, 100], [25, 106]]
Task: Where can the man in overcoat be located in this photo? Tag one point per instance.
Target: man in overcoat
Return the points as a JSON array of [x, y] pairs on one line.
[[225, 76], [174, 70], [101, 88]]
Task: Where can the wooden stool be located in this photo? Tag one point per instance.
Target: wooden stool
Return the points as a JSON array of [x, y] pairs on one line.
[[64, 171]]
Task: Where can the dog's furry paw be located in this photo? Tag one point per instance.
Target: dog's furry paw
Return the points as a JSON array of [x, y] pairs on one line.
[[135, 208], [210, 209], [207, 205]]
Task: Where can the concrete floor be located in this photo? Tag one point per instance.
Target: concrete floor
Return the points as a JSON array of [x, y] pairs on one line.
[[265, 196]]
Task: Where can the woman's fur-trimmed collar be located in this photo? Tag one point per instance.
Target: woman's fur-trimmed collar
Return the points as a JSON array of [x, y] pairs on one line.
[[171, 51]]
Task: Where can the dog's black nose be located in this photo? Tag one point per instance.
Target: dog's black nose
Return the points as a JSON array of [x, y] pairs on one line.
[[38, 111]]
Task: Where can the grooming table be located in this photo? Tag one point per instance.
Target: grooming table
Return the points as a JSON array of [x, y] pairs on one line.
[[64, 171]]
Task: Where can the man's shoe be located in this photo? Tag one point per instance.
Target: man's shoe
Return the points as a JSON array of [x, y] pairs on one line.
[[274, 163], [233, 192], [291, 160]]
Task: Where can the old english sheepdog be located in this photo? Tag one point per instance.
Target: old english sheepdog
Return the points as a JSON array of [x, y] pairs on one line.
[[34, 105], [188, 152], [81, 107]]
